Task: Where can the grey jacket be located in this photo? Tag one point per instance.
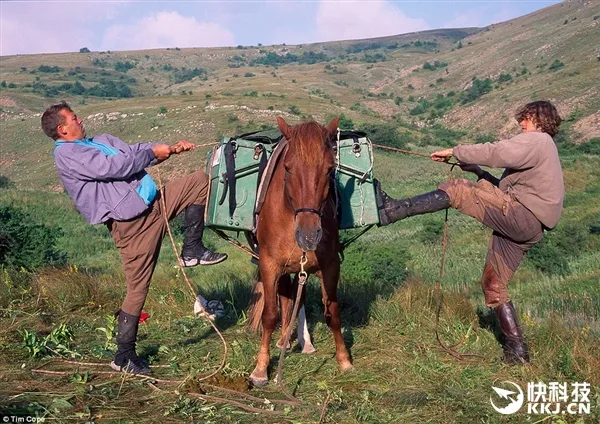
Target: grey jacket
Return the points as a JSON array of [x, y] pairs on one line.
[[104, 187]]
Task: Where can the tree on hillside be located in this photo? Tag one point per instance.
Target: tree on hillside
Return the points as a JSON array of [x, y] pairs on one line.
[[84, 50]]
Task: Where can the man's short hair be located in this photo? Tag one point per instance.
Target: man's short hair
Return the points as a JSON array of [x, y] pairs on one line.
[[52, 118], [543, 114]]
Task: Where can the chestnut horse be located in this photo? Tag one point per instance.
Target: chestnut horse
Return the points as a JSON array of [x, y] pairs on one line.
[[298, 215]]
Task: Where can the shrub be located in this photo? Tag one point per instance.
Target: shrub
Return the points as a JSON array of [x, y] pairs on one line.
[[556, 65], [485, 138], [124, 66], [25, 243], [50, 69], [552, 254], [294, 110], [384, 134], [163, 110], [478, 89], [504, 78], [591, 147], [249, 74]]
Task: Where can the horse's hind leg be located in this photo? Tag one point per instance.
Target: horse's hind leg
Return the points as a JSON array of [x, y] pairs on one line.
[[286, 297], [269, 321], [303, 334], [329, 281]]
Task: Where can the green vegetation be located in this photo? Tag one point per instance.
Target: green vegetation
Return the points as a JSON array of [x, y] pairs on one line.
[[50, 69], [556, 65], [477, 89], [25, 243], [274, 59], [434, 66], [124, 66], [182, 75]]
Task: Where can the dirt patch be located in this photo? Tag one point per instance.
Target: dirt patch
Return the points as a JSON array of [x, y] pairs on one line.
[[588, 127], [6, 101]]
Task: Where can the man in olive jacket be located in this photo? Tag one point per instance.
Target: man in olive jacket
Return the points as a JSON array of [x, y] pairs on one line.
[[106, 179], [518, 207]]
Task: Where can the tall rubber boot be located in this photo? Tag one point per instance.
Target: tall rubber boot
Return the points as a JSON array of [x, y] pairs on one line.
[[126, 359], [392, 210], [193, 251], [515, 349]]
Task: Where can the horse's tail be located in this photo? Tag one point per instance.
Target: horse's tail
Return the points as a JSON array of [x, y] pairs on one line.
[[256, 307]]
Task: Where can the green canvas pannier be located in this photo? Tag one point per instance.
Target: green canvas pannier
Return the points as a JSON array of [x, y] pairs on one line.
[[235, 164]]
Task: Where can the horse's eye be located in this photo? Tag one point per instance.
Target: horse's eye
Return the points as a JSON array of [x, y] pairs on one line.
[[287, 169]]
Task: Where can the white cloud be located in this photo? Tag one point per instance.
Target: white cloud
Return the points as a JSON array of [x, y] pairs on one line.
[[343, 20], [480, 17], [27, 27], [166, 29]]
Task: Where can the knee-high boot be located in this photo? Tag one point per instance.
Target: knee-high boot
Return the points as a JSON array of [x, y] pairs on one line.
[[126, 359], [515, 349], [392, 210]]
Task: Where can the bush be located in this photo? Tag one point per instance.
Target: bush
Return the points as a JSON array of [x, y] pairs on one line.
[[384, 134], [591, 147], [25, 243], [50, 69], [84, 50], [124, 66], [556, 65], [478, 89], [504, 78], [552, 254], [294, 110]]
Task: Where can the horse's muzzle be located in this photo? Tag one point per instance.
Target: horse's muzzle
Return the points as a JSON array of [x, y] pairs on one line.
[[309, 239]]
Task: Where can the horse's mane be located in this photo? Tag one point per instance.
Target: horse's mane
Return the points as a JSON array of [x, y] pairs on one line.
[[308, 142]]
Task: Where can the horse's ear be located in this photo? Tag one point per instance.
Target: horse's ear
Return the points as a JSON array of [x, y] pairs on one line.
[[332, 127], [283, 127]]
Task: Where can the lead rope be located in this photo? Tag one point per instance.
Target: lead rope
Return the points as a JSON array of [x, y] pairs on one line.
[[448, 349], [302, 276], [189, 284]]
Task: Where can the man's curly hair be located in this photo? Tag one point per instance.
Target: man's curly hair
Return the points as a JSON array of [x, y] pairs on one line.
[[543, 114]]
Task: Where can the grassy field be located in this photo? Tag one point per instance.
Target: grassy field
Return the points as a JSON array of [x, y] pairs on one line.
[[388, 295], [388, 289]]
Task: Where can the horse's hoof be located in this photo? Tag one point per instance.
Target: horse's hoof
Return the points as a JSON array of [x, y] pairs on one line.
[[346, 367], [258, 381], [308, 349], [280, 346]]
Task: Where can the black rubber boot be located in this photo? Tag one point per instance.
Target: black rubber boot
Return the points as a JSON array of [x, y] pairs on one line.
[[392, 210], [126, 359], [515, 349], [193, 252]]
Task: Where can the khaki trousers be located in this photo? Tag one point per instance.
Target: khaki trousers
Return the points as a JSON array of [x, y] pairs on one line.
[[515, 231], [139, 239]]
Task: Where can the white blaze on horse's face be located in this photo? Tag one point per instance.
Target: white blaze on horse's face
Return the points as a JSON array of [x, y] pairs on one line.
[[308, 164]]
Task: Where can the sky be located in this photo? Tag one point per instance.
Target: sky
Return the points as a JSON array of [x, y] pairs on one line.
[[49, 26]]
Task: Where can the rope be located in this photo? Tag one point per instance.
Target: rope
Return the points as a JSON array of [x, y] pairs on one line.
[[448, 349], [302, 276], [409, 152], [189, 284]]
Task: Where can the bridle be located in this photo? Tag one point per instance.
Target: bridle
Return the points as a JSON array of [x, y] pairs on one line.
[[289, 199]]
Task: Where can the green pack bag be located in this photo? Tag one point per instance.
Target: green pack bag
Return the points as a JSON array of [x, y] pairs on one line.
[[235, 167]]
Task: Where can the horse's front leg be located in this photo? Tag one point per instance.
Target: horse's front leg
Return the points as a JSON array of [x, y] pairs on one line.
[[286, 297], [269, 321], [329, 281]]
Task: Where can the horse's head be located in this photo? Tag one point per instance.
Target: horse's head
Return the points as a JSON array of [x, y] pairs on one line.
[[308, 162]]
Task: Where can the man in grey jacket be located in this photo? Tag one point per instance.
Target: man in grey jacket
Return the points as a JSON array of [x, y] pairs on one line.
[[518, 207], [106, 179]]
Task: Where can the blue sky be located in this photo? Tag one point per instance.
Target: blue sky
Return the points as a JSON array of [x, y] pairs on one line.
[[59, 26]]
